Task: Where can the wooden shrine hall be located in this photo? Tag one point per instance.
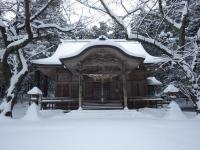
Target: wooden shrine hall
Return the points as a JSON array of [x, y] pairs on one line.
[[99, 74]]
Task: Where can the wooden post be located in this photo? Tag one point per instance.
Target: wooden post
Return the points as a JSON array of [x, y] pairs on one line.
[[102, 92], [45, 86], [80, 91], [37, 78], [124, 86]]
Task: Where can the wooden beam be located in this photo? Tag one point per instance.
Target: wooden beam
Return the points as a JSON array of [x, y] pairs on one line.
[[37, 78], [45, 86], [80, 91], [124, 86]]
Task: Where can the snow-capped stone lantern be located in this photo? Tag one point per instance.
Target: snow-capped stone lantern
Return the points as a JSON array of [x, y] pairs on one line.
[[35, 95], [171, 91], [154, 86]]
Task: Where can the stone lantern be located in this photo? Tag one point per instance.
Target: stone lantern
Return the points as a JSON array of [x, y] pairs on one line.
[[171, 91], [35, 95]]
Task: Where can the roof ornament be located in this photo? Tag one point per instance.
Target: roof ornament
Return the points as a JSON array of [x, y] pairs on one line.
[[102, 37]]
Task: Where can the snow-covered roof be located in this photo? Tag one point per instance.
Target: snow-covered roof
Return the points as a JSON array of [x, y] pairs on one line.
[[70, 48], [171, 89], [153, 81], [35, 91]]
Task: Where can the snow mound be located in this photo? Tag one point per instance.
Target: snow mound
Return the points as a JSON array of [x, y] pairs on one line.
[[155, 112], [174, 112], [5, 107], [32, 113], [198, 104], [2, 105], [3, 118], [196, 118]]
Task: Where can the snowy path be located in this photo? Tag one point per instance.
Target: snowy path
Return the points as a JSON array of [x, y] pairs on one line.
[[101, 130]]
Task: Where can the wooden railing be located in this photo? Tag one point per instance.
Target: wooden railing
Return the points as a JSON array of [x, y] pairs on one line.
[[59, 103], [72, 103], [140, 102]]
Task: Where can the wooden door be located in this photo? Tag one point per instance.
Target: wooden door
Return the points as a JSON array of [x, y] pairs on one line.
[[62, 90]]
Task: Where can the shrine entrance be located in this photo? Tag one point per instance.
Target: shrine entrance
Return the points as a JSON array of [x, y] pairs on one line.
[[102, 72], [101, 89]]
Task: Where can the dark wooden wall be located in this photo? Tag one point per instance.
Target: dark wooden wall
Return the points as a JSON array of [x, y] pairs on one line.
[[67, 86]]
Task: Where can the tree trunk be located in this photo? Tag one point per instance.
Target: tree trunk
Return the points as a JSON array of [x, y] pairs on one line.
[[182, 32], [13, 82], [10, 100]]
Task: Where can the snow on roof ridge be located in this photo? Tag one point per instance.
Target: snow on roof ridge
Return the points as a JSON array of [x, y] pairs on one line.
[[107, 42], [67, 49], [89, 40]]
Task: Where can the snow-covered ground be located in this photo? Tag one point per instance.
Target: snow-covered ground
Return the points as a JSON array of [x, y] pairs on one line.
[[146, 129]]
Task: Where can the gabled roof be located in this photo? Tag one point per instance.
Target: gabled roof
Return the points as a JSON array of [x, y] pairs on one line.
[[71, 48]]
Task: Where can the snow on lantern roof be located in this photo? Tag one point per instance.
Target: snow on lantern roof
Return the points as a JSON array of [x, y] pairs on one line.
[[35, 91], [153, 81], [70, 48], [171, 89]]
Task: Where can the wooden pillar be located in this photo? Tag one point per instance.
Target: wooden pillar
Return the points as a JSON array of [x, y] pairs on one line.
[[80, 91], [37, 78], [124, 86], [102, 88], [45, 86]]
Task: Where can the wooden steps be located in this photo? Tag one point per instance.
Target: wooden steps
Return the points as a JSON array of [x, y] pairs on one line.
[[102, 106]]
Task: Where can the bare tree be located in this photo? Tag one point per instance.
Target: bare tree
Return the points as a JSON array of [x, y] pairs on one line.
[[25, 27]]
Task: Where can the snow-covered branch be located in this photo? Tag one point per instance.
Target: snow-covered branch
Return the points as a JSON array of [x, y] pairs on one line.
[[132, 36], [173, 22], [85, 3], [38, 13], [113, 15], [55, 26], [41, 10], [150, 41]]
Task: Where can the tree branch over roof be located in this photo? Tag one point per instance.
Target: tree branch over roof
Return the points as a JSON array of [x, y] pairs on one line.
[[112, 15], [131, 36]]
